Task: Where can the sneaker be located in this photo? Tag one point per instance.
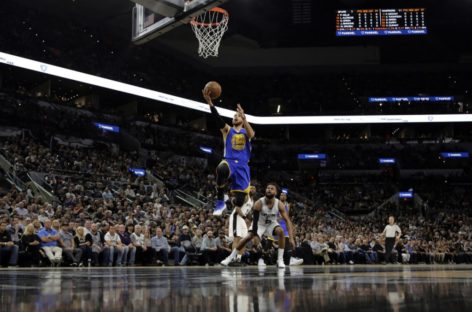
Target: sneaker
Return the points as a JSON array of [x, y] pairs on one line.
[[261, 263], [220, 207], [226, 261], [295, 261], [280, 264]]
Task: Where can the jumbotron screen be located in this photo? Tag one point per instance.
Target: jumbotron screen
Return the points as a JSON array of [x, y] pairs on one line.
[[381, 22]]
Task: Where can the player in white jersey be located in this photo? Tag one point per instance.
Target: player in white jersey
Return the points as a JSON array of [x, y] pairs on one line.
[[265, 222], [237, 225]]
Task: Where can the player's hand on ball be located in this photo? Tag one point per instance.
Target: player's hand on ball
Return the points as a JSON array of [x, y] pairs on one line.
[[207, 97], [240, 110]]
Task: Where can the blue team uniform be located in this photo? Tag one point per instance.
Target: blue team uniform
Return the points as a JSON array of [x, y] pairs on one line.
[[237, 154], [282, 222]]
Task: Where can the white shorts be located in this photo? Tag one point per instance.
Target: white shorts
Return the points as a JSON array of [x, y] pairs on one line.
[[266, 229], [239, 229]]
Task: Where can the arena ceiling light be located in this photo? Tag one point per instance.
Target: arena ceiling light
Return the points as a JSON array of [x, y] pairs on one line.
[[49, 69]]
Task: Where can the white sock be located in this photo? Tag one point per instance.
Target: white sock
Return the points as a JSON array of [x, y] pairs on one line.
[[280, 254], [233, 254], [238, 256]]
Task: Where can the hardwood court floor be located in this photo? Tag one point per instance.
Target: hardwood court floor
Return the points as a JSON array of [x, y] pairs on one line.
[[305, 288]]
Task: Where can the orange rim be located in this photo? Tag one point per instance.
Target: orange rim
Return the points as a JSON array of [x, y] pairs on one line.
[[215, 9]]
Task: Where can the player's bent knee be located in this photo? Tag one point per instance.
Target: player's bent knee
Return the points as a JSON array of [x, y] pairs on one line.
[[279, 231], [222, 171]]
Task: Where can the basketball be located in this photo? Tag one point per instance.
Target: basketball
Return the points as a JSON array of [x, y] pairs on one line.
[[214, 88]]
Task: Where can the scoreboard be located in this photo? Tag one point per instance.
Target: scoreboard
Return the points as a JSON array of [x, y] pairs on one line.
[[381, 22]]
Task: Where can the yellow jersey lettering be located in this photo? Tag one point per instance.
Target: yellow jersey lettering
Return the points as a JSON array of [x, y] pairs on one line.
[[238, 142]]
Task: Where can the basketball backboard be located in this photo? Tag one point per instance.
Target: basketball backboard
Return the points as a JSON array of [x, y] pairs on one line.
[[152, 18]]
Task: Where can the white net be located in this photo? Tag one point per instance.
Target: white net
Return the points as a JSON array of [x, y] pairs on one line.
[[209, 29]]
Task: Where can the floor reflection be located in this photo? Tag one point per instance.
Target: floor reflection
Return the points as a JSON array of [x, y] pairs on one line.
[[238, 289]]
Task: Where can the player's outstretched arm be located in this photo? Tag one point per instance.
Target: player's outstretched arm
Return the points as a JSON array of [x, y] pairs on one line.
[[224, 127], [247, 126], [284, 215]]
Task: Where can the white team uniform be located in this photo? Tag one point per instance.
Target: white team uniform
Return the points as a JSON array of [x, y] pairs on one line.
[[267, 218], [237, 226]]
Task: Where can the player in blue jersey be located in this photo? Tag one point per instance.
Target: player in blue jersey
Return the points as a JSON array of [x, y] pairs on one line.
[[235, 163], [288, 259]]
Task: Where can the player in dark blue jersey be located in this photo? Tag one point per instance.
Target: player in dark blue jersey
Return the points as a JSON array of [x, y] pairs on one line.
[[288, 259], [235, 163]]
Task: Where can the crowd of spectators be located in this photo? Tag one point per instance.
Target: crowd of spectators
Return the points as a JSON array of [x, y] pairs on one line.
[[103, 215]]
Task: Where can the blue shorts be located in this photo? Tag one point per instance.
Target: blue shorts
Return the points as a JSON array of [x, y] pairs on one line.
[[239, 174], [283, 225]]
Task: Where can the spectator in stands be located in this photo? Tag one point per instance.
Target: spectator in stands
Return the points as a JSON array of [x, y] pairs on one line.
[[348, 251], [69, 248], [115, 247], [223, 243], [150, 254], [31, 244], [137, 239], [333, 256], [129, 250], [369, 255], [21, 210], [320, 251], [49, 211], [107, 194], [87, 226], [179, 251], [161, 246], [84, 241], [379, 250], [97, 243], [339, 249], [129, 192], [50, 238], [37, 225], [174, 246], [197, 241], [8, 249], [16, 229], [42, 216], [56, 225], [209, 249]]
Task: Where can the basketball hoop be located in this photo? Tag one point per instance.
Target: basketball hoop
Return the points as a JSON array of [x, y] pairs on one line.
[[209, 29]]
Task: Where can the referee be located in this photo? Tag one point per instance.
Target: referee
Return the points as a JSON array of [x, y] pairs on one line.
[[392, 233]]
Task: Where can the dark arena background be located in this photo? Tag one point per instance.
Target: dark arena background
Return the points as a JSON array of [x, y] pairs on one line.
[[362, 112]]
